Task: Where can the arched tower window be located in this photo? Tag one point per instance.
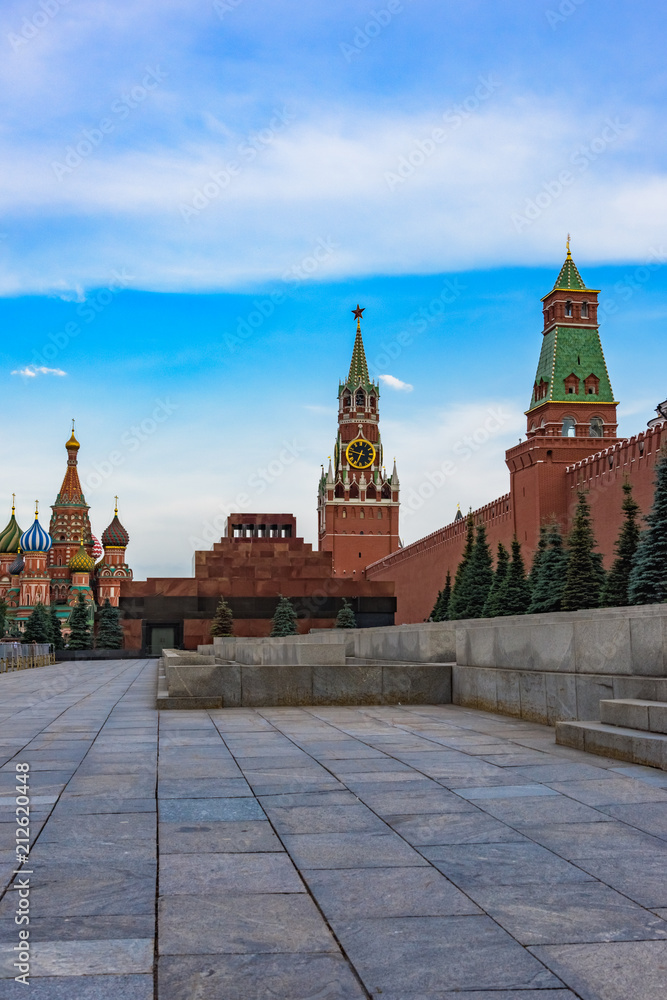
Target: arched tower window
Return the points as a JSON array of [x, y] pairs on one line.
[[339, 492], [571, 385], [347, 401], [596, 427], [568, 308], [569, 427], [372, 401], [386, 492], [354, 492], [592, 384], [371, 492], [584, 310], [361, 397]]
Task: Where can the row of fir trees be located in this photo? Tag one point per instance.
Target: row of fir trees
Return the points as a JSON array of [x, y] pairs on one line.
[[284, 621], [43, 625], [566, 574]]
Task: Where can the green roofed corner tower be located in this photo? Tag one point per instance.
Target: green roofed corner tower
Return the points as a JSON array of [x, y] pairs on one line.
[[572, 411]]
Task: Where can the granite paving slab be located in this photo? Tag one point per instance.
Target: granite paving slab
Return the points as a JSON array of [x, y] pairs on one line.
[[105, 987], [565, 914], [218, 837], [86, 958], [501, 864], [185, 874], [452, 828], [350, 850], [439, 953], [242, 924], [346, 894], [641, 877], [595, 840], [201, 810], [624, 970], [651, 817], [257, 977], [346, 818]]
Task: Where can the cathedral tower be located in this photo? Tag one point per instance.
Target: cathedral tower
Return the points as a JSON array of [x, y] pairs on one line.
[[572, 410], [69, 524], [357, 501], [113, 569]]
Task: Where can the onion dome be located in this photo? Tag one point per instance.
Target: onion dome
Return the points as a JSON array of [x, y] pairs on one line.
[[81, 562], [35, 539], [115, 536], [17, 566], [73, 443], [11, 536], [97, 547]]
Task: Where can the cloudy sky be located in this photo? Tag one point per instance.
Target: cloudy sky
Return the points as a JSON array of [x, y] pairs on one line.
[[195, 193]]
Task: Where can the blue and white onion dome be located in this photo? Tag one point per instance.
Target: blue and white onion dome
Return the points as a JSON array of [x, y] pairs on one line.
[[35, 539]]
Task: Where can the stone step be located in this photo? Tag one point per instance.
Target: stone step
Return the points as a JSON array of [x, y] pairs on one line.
[[634, 745], [634, 713]]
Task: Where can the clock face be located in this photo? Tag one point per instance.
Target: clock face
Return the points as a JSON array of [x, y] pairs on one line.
[[360, 454]]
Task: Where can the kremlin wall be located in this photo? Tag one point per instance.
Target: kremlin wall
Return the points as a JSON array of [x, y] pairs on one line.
[[571, 444]]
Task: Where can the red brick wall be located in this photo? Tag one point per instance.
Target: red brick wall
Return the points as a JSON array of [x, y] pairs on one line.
[[602, 476], [544, 483]]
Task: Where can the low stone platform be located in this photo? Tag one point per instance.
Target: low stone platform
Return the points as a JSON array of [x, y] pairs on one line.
[[318, 675], [351, 853], [630, 729]]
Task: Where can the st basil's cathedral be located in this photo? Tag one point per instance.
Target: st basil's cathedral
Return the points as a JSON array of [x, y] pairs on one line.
[[53, 567]]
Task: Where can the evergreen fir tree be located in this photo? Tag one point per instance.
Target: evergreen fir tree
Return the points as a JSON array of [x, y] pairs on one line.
[[284, 619], [38, 626], [514, 594], [223, 622], [109, 629], [460, 590], [585, 575], [56, 631], [548, 578], [345, 617], [492, 606], [80, 636], [539, 552], [480, 575], [441, 606], [648, 578]]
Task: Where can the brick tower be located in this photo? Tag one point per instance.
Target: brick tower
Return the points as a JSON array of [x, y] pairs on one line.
[[572, 410], [357, 503], [69, 524], [113, 569]]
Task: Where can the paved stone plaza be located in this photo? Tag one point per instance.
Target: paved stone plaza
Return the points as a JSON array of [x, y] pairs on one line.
[[422, 853]]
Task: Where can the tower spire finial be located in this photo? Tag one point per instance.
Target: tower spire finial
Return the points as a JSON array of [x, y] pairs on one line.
[[567, 245], [359, 365], [13, 503], [116, 507], [36, 509]]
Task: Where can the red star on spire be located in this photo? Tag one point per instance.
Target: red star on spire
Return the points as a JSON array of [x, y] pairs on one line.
[[358, 311]]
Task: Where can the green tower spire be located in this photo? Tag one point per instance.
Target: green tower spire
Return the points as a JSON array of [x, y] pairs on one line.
[[572, 366], [569, 278], [358, 365]]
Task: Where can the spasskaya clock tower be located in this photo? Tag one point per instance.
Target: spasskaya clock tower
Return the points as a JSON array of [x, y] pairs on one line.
[[357, 502]]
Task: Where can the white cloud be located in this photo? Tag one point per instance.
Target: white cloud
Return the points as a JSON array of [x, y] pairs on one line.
[[62, 291], [395, 383], [468, 205], [32, 371]]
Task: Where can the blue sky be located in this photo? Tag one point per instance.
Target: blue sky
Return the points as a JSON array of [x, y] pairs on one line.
[[195, 194]]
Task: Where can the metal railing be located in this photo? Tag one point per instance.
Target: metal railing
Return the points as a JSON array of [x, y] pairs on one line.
[[25, 655]]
